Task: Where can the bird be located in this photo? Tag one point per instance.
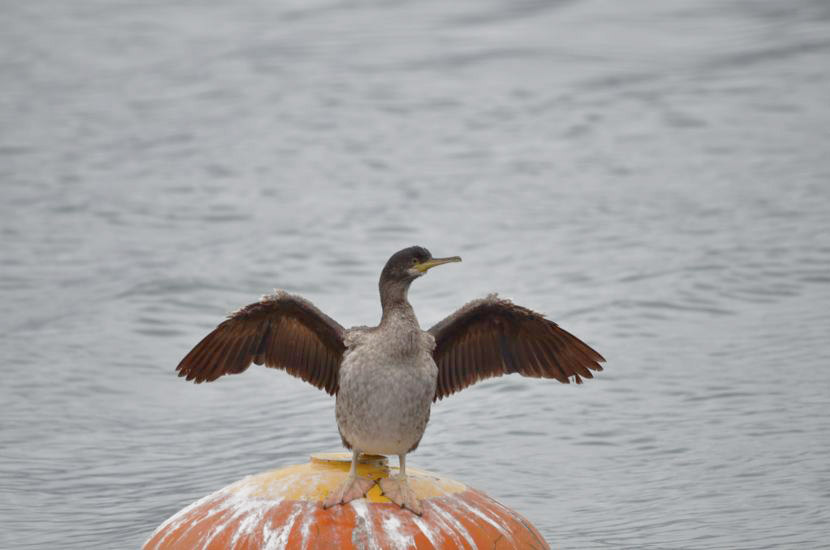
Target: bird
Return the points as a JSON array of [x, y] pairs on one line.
[[385, 378]]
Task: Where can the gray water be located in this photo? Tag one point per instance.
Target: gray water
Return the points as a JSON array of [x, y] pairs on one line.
[[654, 176]]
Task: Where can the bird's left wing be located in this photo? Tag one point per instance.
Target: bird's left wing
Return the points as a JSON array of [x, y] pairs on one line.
[[491, 337], [281, 331]]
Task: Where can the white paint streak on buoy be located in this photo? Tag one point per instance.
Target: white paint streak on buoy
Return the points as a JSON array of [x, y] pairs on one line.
[[392, 530], [363, 535], [238, 508], [443, 528], [210, 535], [218, 509], [247, 526], [305, 528], [456, 525], [277, 539], [308, 484], [479, 513], [427, 530], [503, 508], [175, 521], [267, 534]]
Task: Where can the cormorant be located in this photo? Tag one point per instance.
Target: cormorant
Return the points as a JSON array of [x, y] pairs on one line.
[[385, 378]]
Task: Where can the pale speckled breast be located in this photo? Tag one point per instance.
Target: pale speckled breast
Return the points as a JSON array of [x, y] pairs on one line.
[[386, 386]]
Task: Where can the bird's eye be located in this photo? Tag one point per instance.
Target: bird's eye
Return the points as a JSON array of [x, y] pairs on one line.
[[414, 261]]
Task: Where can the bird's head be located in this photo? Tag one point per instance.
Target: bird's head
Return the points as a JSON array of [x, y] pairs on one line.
[[410, 263]]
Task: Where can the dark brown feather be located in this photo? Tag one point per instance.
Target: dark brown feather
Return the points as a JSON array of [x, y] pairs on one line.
[[492, 337], [280, 331]]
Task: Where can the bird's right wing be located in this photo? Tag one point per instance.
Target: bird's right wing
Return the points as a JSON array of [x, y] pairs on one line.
[[281, 331], [491, 337]]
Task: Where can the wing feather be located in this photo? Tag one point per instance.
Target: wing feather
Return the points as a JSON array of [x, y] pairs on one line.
[[492, 337], [280, 331]]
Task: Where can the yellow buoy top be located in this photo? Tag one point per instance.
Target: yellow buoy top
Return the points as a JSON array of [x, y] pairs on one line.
[[314, 480]]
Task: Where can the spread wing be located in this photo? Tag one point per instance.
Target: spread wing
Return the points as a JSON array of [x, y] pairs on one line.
[[491, 337], [281, 331]]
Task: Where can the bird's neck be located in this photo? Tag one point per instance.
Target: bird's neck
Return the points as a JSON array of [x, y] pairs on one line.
[[393, 300], [399, 326]]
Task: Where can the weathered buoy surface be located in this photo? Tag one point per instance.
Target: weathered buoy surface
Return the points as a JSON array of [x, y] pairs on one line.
[[281, 509]]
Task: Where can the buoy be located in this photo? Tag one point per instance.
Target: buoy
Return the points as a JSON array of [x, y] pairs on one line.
[[281, 509]]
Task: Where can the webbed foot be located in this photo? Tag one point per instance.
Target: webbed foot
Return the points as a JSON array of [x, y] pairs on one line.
[[397, 490], [352, 488]]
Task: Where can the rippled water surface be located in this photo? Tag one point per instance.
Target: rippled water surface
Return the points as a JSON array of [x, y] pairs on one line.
[[652, 175]]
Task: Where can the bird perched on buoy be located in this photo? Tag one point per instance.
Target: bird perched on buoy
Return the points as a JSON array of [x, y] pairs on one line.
[[386, 378]]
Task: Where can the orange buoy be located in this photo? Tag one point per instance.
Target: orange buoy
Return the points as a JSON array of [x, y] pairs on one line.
[[281, 509]]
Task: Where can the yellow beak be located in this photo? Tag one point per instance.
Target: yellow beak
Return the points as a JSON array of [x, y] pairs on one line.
[[429, 264]]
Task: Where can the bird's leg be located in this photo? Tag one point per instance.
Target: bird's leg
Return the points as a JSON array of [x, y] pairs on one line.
[[352, 488], [398, 491]]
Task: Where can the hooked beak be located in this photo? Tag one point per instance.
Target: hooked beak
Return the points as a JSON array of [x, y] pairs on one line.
[[429, 264]]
